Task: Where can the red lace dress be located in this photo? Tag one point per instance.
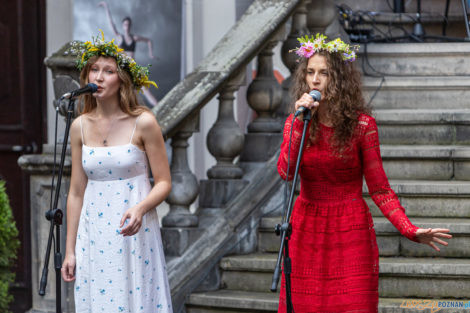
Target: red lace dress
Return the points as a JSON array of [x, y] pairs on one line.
[[335, 259]]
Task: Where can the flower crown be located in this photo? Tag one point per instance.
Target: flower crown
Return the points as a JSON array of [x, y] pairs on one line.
[[310, 45], [99, 47]]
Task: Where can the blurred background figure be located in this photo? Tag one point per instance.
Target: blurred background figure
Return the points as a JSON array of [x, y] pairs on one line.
[[127, 41]]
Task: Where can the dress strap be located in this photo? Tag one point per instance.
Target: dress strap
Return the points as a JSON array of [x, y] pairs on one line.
[[81, 129], [133, 131]]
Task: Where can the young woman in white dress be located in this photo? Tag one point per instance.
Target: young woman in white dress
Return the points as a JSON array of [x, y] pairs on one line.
[[114, 251]]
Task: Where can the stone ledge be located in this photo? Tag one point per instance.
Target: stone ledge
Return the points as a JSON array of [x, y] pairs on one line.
[[445, 152], [268, 302], [434, 49], [423, 116], [403, 266], [418, 83]]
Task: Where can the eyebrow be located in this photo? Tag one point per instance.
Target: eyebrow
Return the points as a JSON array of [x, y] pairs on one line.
[[321, 69]]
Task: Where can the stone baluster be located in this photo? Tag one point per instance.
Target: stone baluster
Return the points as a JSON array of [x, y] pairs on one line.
[[320, 14], [180, 225], [264, 95], [225, 142], [298, 29]]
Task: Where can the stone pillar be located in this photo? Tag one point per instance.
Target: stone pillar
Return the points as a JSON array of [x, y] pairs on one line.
[[225, 142], [180, 225], [264, 95], [298, 29], [39, 167]]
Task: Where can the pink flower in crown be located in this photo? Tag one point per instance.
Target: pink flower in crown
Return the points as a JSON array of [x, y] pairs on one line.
[[306, 50]]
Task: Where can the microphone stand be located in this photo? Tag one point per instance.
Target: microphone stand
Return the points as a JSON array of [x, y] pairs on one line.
[[55, 215], [285, 230]]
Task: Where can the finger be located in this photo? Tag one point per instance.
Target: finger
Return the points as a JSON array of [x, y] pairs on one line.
[[442, 242], [443, 235], [441, 230], [434, 246], [123, 219], [316, 104], [125, 231], [71, 270]]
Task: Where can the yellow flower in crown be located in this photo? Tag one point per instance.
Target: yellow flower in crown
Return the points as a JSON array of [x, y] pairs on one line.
[[309, 45], [99, 47]]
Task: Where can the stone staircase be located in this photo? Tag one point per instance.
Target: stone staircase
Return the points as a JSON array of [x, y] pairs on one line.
[[424, 125]]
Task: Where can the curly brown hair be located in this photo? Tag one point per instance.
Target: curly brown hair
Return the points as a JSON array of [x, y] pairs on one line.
[[343, 97], [127, 95]]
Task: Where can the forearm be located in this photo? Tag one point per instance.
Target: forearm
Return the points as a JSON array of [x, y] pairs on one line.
[[287, 159], [156, 196], [74, 209]]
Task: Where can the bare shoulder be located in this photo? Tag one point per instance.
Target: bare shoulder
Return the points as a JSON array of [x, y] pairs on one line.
[[148, 122], [76, 128]]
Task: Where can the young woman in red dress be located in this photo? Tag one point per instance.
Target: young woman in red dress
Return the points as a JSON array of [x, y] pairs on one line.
[[335, 260]]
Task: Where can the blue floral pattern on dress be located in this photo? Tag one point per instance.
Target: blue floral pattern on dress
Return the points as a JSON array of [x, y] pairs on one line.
[[112, 273]]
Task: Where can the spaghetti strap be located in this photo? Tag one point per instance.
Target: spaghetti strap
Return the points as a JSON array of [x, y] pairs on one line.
[[133, 131], [81, 129]]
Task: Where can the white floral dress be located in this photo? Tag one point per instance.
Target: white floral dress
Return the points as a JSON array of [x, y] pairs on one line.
[[116, 273]]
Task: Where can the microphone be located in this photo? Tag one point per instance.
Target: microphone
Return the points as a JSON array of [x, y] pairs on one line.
[[88, 88], [316, 96]]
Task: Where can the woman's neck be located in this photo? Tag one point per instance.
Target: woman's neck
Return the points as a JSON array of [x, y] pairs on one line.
[[323, 116], [107, 108]]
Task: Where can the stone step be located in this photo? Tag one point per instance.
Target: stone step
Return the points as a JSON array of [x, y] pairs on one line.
[[423, 127], [399, 277], [431, 162], [235, 301], [424, 59], [428, 198], [420, 92], [389, 240]]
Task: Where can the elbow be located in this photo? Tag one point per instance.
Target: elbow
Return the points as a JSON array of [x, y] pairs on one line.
[[165, 188]]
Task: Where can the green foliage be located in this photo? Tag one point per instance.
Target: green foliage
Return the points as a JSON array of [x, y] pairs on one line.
[[9, 244]]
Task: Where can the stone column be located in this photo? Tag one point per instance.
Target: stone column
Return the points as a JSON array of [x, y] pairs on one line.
[[225, 142], [264, 95], [320, 14], [180, 225]]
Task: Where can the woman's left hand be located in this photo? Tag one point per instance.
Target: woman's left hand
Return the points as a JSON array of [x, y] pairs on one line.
[[431, 235], [134, 215]]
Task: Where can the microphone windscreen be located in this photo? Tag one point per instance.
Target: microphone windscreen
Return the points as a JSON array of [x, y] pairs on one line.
[[93, 87], [315, 94]]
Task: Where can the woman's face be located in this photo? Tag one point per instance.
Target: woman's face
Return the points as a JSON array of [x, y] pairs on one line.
[[317, 73], [126, 25], [104, 74]]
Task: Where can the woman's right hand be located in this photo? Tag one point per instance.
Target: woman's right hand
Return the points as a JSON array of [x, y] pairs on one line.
[[68, 268], [306, 101]]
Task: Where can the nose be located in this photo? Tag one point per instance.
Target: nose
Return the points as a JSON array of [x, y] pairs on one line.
[[99, 76], [316, 78]]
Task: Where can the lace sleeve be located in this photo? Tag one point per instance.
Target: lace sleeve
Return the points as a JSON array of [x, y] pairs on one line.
[[377, 182], [294, 148]]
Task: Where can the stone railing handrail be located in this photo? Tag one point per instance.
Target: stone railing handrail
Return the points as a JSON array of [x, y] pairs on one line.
[[238, 47]]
